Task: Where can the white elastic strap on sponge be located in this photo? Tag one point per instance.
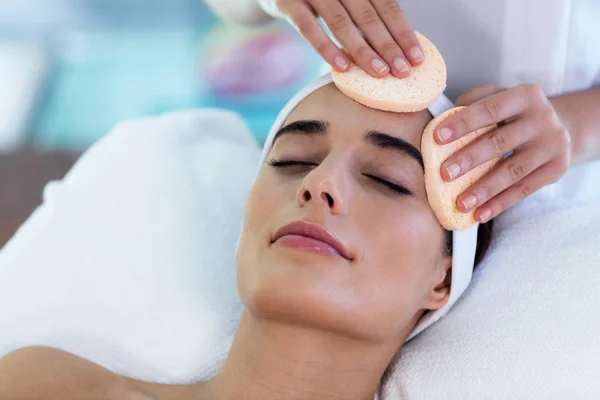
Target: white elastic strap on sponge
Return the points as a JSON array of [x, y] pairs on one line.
[[464, 243]]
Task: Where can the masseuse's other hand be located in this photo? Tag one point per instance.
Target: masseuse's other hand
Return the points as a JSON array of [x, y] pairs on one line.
[[389, 44], [528, 126]]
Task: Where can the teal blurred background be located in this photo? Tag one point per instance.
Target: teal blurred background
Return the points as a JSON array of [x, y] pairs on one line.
[[71, 69]]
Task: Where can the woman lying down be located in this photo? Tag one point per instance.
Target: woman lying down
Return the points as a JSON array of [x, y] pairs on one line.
[[341, 260]]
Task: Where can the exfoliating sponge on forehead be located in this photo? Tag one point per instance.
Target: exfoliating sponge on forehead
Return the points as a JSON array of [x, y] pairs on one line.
[[411, 94]]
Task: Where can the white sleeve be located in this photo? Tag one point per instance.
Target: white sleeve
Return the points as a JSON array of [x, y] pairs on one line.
[[243, 12]]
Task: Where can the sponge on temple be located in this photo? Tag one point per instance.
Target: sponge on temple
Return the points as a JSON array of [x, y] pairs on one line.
[[442, 195]]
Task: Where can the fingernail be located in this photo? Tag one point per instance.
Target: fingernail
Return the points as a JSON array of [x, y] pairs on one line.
[[453, 170], [378, 66], [484, 216], [341, 63], [444, 134], [469, 202], [416, 54], [401, 65]]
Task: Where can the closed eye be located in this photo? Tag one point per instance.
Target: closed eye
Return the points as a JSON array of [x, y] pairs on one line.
[[383, 182], [389, 185]]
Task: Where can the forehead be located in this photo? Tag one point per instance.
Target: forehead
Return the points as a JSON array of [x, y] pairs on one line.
[[353, 119]]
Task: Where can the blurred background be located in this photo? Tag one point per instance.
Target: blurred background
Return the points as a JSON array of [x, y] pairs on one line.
[[71, 69]]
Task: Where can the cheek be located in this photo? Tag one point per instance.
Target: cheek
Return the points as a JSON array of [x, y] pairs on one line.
[[265, 196], [407, 232], [402, 247]]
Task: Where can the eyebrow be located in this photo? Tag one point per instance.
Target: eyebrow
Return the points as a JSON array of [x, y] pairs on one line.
[[307, 128], [388, 142], [376, 138]]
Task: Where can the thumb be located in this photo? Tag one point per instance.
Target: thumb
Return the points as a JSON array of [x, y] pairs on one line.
[[478, 93]]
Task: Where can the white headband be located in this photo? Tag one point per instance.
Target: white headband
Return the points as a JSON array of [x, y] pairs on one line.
[[464, 243]]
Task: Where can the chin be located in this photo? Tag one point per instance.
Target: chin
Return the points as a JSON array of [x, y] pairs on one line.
[[304, 289]]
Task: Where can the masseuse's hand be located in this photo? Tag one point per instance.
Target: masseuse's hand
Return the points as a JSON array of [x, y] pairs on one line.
[[528, 126], [389, 44]]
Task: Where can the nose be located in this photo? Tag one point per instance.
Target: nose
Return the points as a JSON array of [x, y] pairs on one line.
[[324, 186]]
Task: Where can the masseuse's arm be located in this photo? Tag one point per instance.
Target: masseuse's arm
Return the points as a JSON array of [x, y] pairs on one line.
[[388, 43], [580, 112]]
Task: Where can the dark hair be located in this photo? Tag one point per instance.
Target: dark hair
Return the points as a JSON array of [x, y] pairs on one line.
[[484, 239]]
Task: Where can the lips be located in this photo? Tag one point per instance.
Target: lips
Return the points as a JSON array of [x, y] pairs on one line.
[[310, 237]]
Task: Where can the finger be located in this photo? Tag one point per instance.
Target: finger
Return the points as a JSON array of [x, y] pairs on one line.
[[377, 35], [491, 110], [507, 173], [478, 93], [401, 30], [302, 16], [539, 178], [343, 28], [490, 146]]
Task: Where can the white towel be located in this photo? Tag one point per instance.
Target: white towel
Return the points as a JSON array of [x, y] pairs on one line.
[[130, 261], [529, 325]]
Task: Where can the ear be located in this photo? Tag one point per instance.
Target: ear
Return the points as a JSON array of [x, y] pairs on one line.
[[440, 292]]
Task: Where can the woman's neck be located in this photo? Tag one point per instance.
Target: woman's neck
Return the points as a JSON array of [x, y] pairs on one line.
[[270, 361]]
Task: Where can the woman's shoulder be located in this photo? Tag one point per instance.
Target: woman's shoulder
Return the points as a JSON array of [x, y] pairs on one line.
[[44, 372], [39, 372]]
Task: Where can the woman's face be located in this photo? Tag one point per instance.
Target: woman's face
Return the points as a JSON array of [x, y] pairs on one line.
[[356, 173]]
